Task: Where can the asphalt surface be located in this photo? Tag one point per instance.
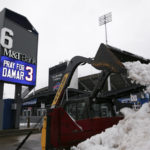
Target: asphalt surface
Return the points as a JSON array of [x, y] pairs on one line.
[[12, 142]]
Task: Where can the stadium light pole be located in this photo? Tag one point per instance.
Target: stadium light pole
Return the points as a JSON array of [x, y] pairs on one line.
[[103, 20]]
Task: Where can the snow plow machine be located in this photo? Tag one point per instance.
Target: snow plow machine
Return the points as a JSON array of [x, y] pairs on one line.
[[69, 122]]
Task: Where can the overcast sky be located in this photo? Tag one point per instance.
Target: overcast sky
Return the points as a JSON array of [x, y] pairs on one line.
[[70, 27]]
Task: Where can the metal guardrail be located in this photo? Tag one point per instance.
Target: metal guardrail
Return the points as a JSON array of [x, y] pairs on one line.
[[33, 119]]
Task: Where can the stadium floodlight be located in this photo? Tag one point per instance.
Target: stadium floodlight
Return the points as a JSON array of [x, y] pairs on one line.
[[103, 20]]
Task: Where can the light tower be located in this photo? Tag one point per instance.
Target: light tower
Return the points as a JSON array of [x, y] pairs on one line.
[[103, 20]]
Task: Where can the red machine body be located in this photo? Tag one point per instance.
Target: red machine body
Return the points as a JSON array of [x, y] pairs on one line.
[[66, 132]]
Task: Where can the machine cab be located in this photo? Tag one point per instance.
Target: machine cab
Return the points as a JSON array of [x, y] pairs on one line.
[[83, 109]]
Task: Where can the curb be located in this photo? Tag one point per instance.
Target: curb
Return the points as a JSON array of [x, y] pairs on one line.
[[13, 132]]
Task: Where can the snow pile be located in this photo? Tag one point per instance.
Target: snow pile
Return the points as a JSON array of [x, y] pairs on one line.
[[131, 133], [139, 73]]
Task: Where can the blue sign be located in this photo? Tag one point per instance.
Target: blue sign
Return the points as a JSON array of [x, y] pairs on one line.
[[139, 102], [31, 102], [56, 86], [16, 71]]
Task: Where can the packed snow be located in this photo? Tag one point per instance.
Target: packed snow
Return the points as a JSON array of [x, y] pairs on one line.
[[139, 73], [131, 133]]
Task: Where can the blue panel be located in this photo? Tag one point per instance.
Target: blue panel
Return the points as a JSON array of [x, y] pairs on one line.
[[1, 113], [16, 71], [7, 115]]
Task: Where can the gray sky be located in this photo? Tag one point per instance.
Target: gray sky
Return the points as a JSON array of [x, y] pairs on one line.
[[70, 27]]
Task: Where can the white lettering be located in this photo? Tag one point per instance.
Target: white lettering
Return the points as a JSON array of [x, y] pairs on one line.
[[17, 55], [4, 73], [6, 38], [20, 67], [13, 74], [5, 63], [10, 73], [9, 64], [30, 74], [18, 75], [12, 54], [21, 75]]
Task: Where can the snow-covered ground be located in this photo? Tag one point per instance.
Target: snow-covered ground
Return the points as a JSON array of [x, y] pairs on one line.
[[131, 133]]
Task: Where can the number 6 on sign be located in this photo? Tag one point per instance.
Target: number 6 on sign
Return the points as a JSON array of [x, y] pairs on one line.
[[6, 38], [30, 74]]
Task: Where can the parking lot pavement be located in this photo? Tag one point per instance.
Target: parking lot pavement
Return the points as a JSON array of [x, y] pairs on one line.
[[12, 142]]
